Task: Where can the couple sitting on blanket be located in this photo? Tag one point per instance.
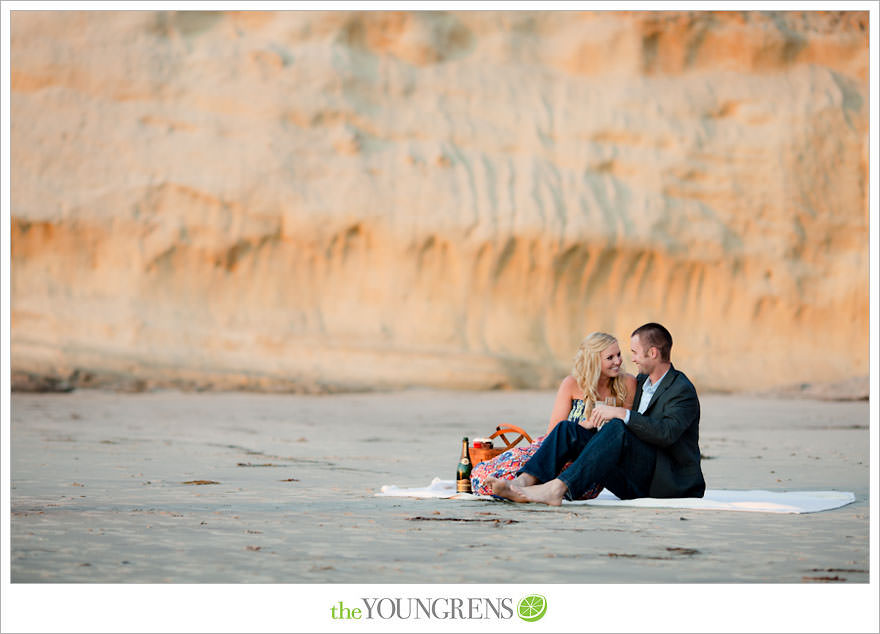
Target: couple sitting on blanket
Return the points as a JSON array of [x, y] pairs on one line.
[[645, 445]]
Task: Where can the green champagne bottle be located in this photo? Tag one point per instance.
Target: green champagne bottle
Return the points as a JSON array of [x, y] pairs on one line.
[[463, 473]]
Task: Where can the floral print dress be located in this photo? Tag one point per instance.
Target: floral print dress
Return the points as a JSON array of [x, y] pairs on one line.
[[506, 464]]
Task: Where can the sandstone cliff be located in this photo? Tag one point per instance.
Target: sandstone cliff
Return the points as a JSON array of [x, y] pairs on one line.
[[335, 200]]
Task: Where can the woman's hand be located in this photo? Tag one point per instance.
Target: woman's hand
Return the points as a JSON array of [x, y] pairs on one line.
[[601, 414], [588, 423]]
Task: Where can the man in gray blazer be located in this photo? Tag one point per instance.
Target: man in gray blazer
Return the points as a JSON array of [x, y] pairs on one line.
[[650, 451]]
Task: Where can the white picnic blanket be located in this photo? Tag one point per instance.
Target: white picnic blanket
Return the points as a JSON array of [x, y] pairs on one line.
[[713, 500]]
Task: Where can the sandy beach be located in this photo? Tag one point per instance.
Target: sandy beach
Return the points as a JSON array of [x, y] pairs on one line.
[[106, 489]]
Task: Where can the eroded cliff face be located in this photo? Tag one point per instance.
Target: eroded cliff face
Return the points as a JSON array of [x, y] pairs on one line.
[[320, 200]]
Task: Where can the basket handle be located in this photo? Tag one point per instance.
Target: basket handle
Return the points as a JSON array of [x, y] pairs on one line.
[[508, 428]]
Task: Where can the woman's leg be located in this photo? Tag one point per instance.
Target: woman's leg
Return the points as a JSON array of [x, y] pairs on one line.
[[566, 441]]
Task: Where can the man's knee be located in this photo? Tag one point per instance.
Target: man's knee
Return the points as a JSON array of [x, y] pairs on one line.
[[614, 426]]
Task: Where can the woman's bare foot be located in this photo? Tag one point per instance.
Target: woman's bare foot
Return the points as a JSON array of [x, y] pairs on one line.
[[548, 493], [525, 480], [507, 489]]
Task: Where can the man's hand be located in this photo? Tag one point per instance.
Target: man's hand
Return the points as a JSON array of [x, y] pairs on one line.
[[601, 414]]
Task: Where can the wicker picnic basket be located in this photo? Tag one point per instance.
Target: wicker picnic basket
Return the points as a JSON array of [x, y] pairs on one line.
[[481, 454]]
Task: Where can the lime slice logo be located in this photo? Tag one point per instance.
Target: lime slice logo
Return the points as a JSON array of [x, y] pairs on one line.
[[532, 608]]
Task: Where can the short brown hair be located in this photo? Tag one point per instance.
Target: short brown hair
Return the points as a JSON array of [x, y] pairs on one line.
[[654, 335]]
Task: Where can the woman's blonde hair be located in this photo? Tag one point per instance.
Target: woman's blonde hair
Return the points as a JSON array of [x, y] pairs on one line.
[[588, 368]]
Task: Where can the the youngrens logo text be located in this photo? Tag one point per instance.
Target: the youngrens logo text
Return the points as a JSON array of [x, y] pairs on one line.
[[530, 608], [439, 608]]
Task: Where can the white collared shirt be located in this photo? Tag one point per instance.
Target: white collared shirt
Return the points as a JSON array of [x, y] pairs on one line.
[[648, 390]]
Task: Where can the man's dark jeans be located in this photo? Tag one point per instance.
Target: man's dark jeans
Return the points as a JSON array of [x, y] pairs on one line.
[[613, 457]]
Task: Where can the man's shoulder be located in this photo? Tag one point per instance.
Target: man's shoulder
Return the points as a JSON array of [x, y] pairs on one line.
[[681, 380]]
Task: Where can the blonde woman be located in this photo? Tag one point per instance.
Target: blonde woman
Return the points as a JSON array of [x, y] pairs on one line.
[[597, 375]]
